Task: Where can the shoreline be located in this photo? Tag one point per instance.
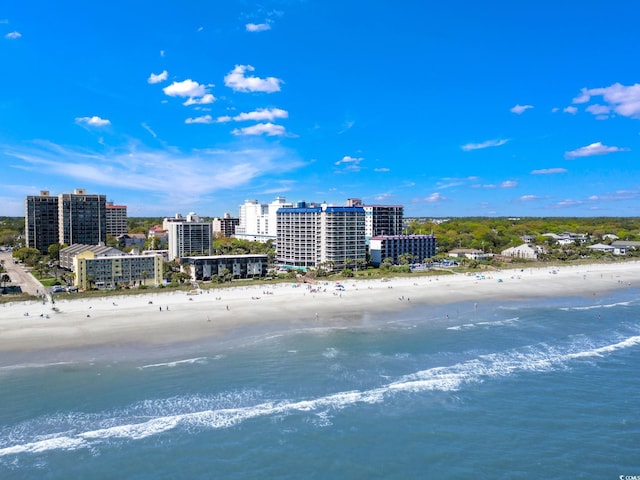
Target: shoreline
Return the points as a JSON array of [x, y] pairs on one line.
[[164, 319]]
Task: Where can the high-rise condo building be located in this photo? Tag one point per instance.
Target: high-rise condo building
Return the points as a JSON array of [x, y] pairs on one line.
[[41, 221], [188, 236], [257, 221], [313, 236], [82, 218], [380, 219], [116, 219], [225, 226]]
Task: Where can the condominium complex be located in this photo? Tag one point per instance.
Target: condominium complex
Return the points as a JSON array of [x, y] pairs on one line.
[[66, 219], [257, 221], [116, 219], [311, 235], [41, 221], [68, 254], [225, 226], [380, 219], [393, 246], [82, 218], [188, 236], [93, 270], [238, 266]]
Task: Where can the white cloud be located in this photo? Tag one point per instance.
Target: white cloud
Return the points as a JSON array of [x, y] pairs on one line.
[[94, 121], [382, 169], [202, 119], [268, 129], [148, 129], [349, 159], [186, 88], [509, 184], [13, 35], [568, 203], [451, 182], [137, 168], [434, 197], [160, 77], [528, 198], [622, 99], [196, 93], [478, 146], [237, 80], [346, 126], [593, 149], [548, 171], [257, 115], [257, 27], [204, 100], [584, 96], [162, 53], [570, 109], [596, 109], [520, 109], [351, 164]]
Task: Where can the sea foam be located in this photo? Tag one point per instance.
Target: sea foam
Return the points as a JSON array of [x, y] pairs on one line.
[[156, 417]]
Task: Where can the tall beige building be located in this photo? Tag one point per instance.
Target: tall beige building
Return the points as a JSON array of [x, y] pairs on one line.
[[116, 219]]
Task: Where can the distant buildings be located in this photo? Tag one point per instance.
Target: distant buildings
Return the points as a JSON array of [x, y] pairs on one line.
[[312, 235], [116, 219], [66, 219], [393, 246], [470, 253], [225, 226], [257, 221], [567, 238], [524, 251], [188, 236]]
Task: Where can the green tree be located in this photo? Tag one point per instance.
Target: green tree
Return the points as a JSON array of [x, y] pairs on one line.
[[387, 263], [28, 256], [54, 251]]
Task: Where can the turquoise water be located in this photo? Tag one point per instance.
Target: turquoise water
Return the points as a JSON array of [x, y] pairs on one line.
[[516, 390]]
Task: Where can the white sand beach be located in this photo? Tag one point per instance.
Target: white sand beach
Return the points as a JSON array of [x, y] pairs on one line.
[[164, 318]]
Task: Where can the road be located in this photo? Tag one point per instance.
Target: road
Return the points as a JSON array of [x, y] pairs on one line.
[[28, 283]]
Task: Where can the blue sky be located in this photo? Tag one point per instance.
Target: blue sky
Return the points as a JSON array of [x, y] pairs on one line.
[[450, 108]]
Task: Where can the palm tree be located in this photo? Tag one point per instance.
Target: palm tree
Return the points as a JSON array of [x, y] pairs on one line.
[[361, 262]]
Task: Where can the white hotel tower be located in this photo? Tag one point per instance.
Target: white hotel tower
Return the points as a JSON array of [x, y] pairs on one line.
[[258, 220]]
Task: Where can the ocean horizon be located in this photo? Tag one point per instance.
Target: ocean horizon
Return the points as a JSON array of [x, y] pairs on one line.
[[544, 389]]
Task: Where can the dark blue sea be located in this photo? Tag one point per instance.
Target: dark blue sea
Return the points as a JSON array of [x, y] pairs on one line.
[[544, 390]]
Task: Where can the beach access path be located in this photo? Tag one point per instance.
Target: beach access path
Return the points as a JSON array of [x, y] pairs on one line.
[[19, 275]]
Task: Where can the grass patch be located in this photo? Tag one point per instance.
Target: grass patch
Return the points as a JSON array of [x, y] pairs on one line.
[[17, 297]]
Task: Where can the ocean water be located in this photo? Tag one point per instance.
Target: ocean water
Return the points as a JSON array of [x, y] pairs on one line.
[[549, 389]]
